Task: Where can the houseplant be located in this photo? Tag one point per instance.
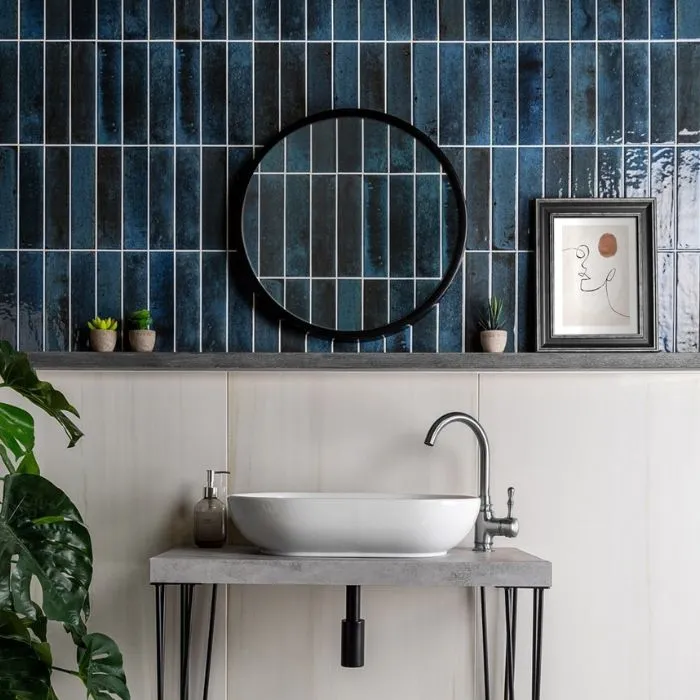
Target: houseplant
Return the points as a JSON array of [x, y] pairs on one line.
[[142, 338], [44, 540], [493, 337], [103, 334]]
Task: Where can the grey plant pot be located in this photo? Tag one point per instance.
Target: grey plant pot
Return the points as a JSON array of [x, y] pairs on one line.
[[493, 341], [103, 340], [142, 340]]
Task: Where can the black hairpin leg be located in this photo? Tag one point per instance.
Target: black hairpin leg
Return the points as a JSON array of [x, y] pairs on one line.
[[160, 639], [537, 609], [186, 596], [210, 642], [511, 595], [485, 645]]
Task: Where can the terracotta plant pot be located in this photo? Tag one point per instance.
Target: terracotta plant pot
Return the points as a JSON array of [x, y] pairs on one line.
[[103, 341], [493, 341], [142, 340]]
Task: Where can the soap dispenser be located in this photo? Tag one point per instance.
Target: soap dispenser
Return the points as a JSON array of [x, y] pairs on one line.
[[210, 517]]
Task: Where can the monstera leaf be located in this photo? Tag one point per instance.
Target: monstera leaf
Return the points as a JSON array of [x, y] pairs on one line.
[[42, 535], [17, 374], [100, 667]]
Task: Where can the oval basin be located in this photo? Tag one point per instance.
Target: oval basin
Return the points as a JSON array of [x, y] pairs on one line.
[[353, 524]]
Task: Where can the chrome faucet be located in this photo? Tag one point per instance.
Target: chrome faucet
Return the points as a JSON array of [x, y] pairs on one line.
[[487, 527]]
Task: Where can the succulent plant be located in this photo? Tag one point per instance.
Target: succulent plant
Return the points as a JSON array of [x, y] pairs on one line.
[[492, 320], [141, 320], [102, 324]]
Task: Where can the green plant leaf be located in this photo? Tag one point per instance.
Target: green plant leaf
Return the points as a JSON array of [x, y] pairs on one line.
[[16, 429], [101, 668], [17, 373], [28, 464], [43, 531]]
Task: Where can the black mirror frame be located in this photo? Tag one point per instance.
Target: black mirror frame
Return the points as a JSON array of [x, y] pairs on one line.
[[389, 328]]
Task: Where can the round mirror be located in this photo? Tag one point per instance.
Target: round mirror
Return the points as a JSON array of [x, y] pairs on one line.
[[353, 224]]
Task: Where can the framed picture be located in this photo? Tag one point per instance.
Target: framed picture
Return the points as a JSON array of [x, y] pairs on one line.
[[596, 274]]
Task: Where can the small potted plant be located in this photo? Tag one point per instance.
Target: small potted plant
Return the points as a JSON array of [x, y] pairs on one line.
[[493, 337], [142, 338], [103, 334]]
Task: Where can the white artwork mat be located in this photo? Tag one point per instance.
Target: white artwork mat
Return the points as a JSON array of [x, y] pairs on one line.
[[595, 281]]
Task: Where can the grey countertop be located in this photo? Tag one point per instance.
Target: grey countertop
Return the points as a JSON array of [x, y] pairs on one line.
[[459, 567]]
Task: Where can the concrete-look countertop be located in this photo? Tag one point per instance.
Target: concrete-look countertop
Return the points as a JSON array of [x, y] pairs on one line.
[[459, 567]]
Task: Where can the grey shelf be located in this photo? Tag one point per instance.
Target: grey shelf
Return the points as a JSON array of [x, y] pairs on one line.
[[474, 362], [460, 567]]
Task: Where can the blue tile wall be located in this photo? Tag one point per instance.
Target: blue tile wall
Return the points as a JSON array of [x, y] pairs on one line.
[[124, 125]]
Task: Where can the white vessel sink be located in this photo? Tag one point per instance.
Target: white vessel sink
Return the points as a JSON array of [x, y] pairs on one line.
[[353, 524]]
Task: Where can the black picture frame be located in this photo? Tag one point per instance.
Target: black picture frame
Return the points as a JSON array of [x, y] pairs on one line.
[[557, 305]]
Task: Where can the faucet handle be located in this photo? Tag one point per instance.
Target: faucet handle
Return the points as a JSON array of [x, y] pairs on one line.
[[511, 496]]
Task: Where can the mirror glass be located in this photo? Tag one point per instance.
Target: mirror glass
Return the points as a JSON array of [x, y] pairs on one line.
[[351, 224]]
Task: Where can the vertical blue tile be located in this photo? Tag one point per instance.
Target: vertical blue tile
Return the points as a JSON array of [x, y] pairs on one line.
[[214, 198], [530, 20], [240, 319], [663, 85], [8, 297], [31, 303], [556, 169], [425, 89], [688, 94], [476, 294], [636, 19], [109, 214], [688, 183], [266, 330], [503, 285], [31, 94], [323, 345], [401, 303], [135, 198], [636, 93], [266, 116], [187, 93], [557, 93], [345, 67], [8, 197], [135, 19], [297, 98], [161, 197], [323, 296], [583, 19], [450, 338], [57, 92], [557, 20], [82, 296], [213, 19], [240, 93], [135, 282], [609, 172], [398, 80], [161, 93], [609, 19], [401, 229], [398, 20], [398, 342], [58, 330], [161, 291], [584, 175], [240, 19], [57, 19], [636, 170], [349, 304], [82, 192], [214, 285], [375, 309], [400, 152], [319, 19], [187, 13], [31, 19], [109, 19], [8, 19], [427, 233], [213, 93], [663, 187], [663, 19], [687, 285], [425, 20], [372, 20], [504, 96], [345, 19], [451, 20], [109, 104], [323, 228], [297, 223], [451, 69], [82, 93], [372, 76], [477, 20], [187, 308], [8, 92], [187, 198], [688, 19], [162, 19], [583, 94], [666, 281], [293, 339], [267, 19], [503, 207], [610, 93], [57, 197], [135, 93], [478, 128], [526, 302], [425, 332], [109, 284], [349, 225], [477, 197], [530, 93], [505, 20], [529, 188], [271, 226], [375, 225], [83, 19], [31, 197]]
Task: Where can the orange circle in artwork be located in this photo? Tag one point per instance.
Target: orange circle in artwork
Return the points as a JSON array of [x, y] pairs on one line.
[[607, 245]]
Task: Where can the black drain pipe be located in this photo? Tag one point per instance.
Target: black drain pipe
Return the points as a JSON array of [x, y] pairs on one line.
[[352, 644]]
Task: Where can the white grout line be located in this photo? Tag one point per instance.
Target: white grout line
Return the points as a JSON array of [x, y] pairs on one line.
[[121, 182], [174, 182], [201, 170], [388, 182], [415, 250], [252, 109], [18, 188], [44, 205], [70, 175], [227, 277], [148, 158], [284, 188], [516, 242], [689, 40], [337, 155], [96, 152], [438, 57]]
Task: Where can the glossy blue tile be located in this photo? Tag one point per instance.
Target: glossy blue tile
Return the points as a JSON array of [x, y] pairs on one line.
[[556, 20], [213, 19], [31, 197], [323, 146], [31, 19], [401, 146], [425, 332], [372, 20], [583, 19], [8, 197], [526, 311], [530, 20], [503, 205], [425, 20], [425, 89], [609, 19], [349, 304], [135, 198], [187, 308], [297, 98], [8, 297], [401, 302], [636, 93], [161, 291], [349, 225], [187, 199], [109, 92], [214, 285], [267, 331], [82, 192], [266, 92], [345, 67], [610, 93], [240, 19], [187, 96], [161, 197], [240, 93], [375, 307], [82, 94], [503, 285], [556, 169], [161, 93], [584, 175], [82, 296], [401, 230], [240, 318], [505, 20], [477, 198], [477, 20], [688, 114], [529, 188], [83, 19], [375, 226], [271, 226], [267, 19], [292, 339], [476, 294], [398, 342], [451, 101], [213, 93], [319, 19], [609, 172], [58, 18], [30, 320], [8, 92], [109, 284], [556, 88], [57, 219], [477, 117], [663, 188], [666, 284], [56, 280], [687, 285], [688, 16], [398, 80], [662, 98], [398, 20], [530, 93], [214, 178], [583, 94], [31, 94], [427, 233], [688, 183], [345, 16], [187, 15], [57, 107], [451, 20], [636, 172], [8, 19], [135, 19], [109, 19], [323, 228], [372, 76], [323, 302], [135, 282], [450, 316], [109, 212], [504, 96], [636, 19], [135, 93], [663, 19]]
